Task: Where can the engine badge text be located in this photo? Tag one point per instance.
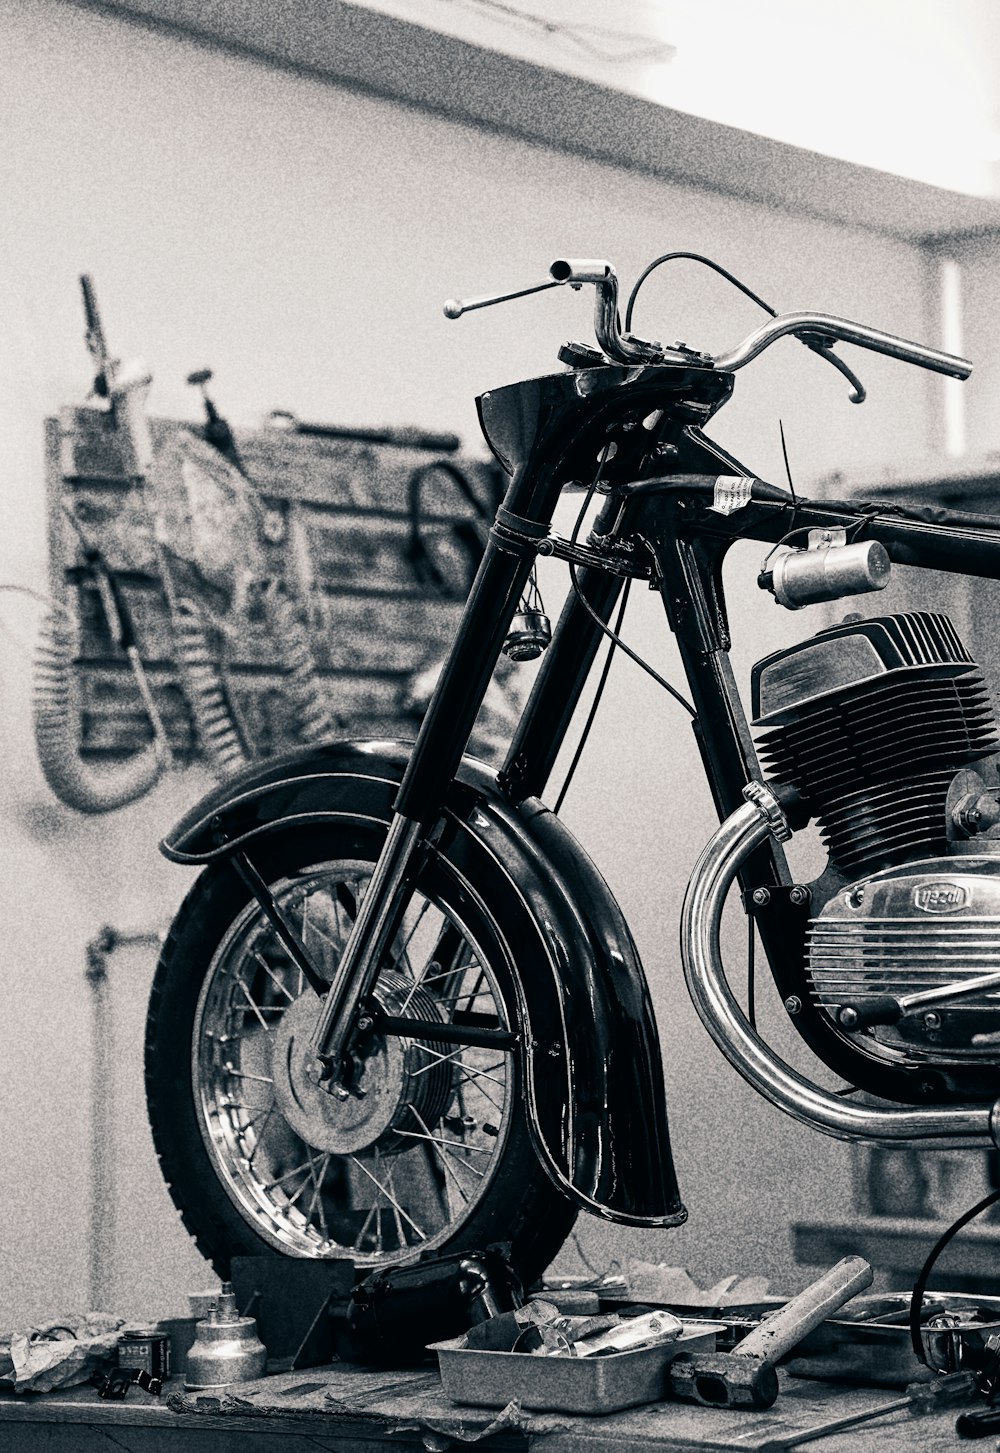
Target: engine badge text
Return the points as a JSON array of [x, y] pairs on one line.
[[941, 897]]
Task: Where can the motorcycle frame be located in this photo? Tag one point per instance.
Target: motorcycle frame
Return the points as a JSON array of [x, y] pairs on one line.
[[689, 542], [673, 516], [656, 525]]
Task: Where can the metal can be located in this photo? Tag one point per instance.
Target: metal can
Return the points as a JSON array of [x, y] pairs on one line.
[[146, 1349]]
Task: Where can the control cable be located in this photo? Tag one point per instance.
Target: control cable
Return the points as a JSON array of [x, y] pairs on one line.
[[611, 634], [595, 703], [706, 262]]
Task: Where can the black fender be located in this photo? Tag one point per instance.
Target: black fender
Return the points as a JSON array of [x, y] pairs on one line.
[[587, 1039]]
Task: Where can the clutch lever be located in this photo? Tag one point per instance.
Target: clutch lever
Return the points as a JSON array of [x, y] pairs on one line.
[[824, 347]]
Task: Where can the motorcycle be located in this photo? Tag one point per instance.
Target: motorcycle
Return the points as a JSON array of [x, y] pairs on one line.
[[400, 1013]]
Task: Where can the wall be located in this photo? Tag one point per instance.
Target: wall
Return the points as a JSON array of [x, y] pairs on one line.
[[300, 239], [976, 255]]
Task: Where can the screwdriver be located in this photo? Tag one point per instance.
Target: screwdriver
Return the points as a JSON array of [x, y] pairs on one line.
[[921, 1397]]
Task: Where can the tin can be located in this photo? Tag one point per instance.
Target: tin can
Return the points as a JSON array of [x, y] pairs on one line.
[[146, 1349]]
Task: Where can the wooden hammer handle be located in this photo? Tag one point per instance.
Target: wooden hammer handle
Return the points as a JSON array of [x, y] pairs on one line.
[[778, 1333]]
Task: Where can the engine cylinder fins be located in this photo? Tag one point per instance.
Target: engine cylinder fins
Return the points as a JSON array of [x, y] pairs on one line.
[[870, 721], [886, 731], [874, 829], [853, 653]]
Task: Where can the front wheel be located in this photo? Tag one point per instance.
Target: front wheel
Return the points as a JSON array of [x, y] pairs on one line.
[[435, 1155]]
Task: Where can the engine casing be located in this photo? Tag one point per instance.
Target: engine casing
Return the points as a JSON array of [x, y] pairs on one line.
[[877, 724], [911, 928]]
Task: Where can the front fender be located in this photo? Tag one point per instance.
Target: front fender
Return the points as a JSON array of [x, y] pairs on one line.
[[588, 1042]]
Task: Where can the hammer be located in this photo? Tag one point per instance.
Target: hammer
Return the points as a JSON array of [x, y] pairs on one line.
[[745, 1377]]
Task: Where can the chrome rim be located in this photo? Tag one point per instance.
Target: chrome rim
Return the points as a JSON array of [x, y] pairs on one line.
[[378, 1178]]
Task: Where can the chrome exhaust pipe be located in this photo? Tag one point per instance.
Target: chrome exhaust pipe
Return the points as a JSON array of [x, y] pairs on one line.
[[955, 1127]]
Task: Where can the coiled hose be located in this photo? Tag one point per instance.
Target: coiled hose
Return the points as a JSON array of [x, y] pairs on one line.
[[85, 786], [219, 736], [301, 678]]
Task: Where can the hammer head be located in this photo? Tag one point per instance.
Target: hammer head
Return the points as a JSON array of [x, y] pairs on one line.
[[722, 1380]]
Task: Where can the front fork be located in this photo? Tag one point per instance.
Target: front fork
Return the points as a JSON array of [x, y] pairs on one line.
[[444, 735]]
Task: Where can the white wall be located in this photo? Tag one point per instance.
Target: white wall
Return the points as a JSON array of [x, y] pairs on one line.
[[300, 239]]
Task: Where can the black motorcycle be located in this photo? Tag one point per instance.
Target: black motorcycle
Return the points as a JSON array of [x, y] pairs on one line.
[[400, 1012]]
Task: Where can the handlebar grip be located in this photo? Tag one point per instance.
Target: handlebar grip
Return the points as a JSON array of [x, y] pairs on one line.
[[574, 270]]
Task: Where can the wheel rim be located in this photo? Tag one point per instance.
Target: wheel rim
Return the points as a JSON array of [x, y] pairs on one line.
[[379, 1179]]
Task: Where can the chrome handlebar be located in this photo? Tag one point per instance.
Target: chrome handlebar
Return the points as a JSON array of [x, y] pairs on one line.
[[817, 330], [819, 327]]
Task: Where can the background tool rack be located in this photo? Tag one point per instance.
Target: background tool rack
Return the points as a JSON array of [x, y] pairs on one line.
[[339, 534]]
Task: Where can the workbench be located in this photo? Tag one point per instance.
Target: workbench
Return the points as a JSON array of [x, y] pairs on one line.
[[354, 1410]]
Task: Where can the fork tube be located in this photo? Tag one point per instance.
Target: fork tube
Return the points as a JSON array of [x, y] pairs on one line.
[[444, 734], [373, 927]]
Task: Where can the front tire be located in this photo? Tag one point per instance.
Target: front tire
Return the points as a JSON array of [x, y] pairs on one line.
[[436, 1156]]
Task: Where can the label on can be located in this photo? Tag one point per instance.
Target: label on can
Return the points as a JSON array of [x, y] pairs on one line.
[[148, 1351]]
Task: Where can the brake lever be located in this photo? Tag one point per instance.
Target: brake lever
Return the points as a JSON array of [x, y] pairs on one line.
[[824, 347]]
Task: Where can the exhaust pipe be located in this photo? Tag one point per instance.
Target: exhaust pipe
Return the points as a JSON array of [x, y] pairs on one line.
[[954, 1127]]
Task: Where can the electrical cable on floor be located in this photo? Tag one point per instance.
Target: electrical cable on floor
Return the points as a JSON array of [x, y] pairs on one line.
[[920, 1285]]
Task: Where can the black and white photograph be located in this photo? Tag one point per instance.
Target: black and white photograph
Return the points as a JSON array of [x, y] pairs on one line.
[[500, 727]]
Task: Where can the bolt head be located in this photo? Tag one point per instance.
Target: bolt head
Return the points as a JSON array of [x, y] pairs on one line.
[[798, 894], [793, 1004], [761, 897]]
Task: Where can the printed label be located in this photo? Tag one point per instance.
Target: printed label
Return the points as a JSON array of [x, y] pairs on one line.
[[732, 492]]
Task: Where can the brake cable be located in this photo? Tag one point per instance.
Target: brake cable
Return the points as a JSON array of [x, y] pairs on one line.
[[613, 635], [819, 345]]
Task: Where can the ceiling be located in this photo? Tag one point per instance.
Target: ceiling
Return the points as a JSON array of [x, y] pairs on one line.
[[869, 111], [907, 86]]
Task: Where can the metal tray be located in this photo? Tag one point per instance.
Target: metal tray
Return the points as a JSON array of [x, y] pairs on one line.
[[563, 1384]]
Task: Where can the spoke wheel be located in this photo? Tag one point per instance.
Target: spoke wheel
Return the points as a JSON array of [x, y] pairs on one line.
[[431, 1152]]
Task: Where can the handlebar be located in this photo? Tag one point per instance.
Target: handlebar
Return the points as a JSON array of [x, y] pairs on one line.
[[817, 330], [807, 326]]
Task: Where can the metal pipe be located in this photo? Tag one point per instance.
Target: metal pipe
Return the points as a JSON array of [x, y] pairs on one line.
[[946, 1128], [360, 963], [822, 325], [618, 346], [104, 1180]]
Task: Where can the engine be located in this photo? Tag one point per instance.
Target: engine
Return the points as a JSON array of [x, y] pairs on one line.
[[884, 727]]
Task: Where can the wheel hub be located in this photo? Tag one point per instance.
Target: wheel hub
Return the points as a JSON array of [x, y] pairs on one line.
[[401, 1085], [324, 1121]]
